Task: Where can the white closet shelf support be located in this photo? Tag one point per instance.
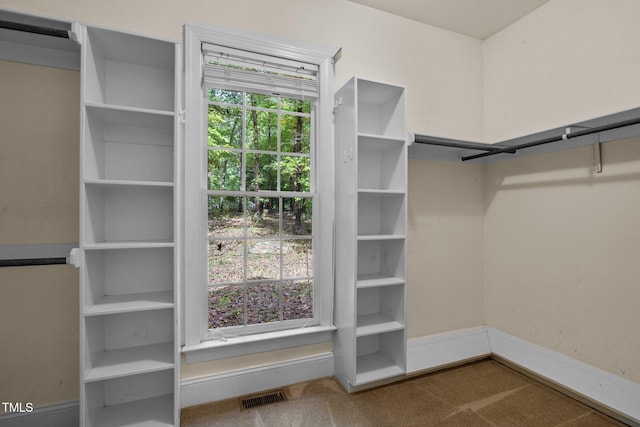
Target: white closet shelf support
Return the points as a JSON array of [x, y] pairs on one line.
[[625, 124]]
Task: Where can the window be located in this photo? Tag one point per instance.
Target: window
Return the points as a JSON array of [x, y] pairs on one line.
[[260, 173], [258, 191]]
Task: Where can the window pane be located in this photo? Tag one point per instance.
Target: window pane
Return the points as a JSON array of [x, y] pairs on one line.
[[226, 96], [225, 127], [248, 256], [226, 260], [263, 216], [297, 300], [262, 101], [297, 258], [226, 217], [224, 170], [263, 259], [296, 216], [263, 303], [295, 173], [297, 105], [226, 306], [295, 134], [262, 172], [262, 130]]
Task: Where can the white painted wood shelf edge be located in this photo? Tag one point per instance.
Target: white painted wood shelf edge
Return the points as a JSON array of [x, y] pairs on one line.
[[116, 183], [382, 138], [376, 280], [127, 245], [370, 324], [381, 191], [118, 109], [381, 237], [131, 361], [126, 303]]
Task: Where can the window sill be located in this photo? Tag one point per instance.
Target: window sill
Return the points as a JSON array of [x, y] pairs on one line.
[[258, 343]]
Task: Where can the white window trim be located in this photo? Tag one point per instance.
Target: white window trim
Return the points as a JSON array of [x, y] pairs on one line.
[[195, 189]]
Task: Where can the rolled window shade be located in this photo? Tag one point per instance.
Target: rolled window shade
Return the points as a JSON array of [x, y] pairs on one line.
[[226, 68]]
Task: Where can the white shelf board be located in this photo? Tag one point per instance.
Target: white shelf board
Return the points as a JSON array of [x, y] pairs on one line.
[[382, 138], [374, 367], [132, 116], [125, 303], [376, 280], [130, 361], [97, 246], [156, 411], [115, 183], [376, 323], [381, 191], [381, 236]]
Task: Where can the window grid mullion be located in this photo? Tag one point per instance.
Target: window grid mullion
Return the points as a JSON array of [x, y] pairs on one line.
[[245, 245], [278, 145], [243, 181], [280, 233]]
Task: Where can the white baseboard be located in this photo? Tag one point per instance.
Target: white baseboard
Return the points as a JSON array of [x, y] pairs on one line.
[[247, 381], [57, 415], [612, 391], [434, 351]]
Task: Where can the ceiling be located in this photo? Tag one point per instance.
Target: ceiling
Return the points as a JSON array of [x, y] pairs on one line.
[[476, 18]]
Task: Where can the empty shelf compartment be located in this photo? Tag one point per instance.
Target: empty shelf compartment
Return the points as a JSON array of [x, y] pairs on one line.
[[380, 309], [137, 400], [384, 258], [124, 344], [381, 214], [381, 109], [379, 356], [120, 280]]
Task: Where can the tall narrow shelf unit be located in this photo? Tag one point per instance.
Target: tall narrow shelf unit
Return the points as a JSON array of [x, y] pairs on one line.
[[128, 233], [371, 211]]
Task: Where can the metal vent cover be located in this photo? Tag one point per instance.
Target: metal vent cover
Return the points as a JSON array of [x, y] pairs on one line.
[[255, 401]]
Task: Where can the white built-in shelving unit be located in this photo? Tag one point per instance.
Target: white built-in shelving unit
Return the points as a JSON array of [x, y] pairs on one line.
[[128, 233], [371, 212]]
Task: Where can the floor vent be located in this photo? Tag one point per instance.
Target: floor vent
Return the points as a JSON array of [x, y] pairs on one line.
[[262, 399]]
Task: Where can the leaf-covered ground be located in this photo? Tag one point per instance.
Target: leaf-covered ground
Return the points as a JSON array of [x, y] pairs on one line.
[[230, 302]]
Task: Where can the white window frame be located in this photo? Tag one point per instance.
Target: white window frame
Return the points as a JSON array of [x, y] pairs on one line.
[[194, 198]]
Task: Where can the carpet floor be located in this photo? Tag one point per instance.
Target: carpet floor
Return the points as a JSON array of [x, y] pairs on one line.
[[484, 393]]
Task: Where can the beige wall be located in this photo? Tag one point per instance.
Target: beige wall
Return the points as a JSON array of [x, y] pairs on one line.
[[39, 155], [445, 247], [441, 70], [39, 162], [562, 261], [39, 335], [568, 61], [561, 250]]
